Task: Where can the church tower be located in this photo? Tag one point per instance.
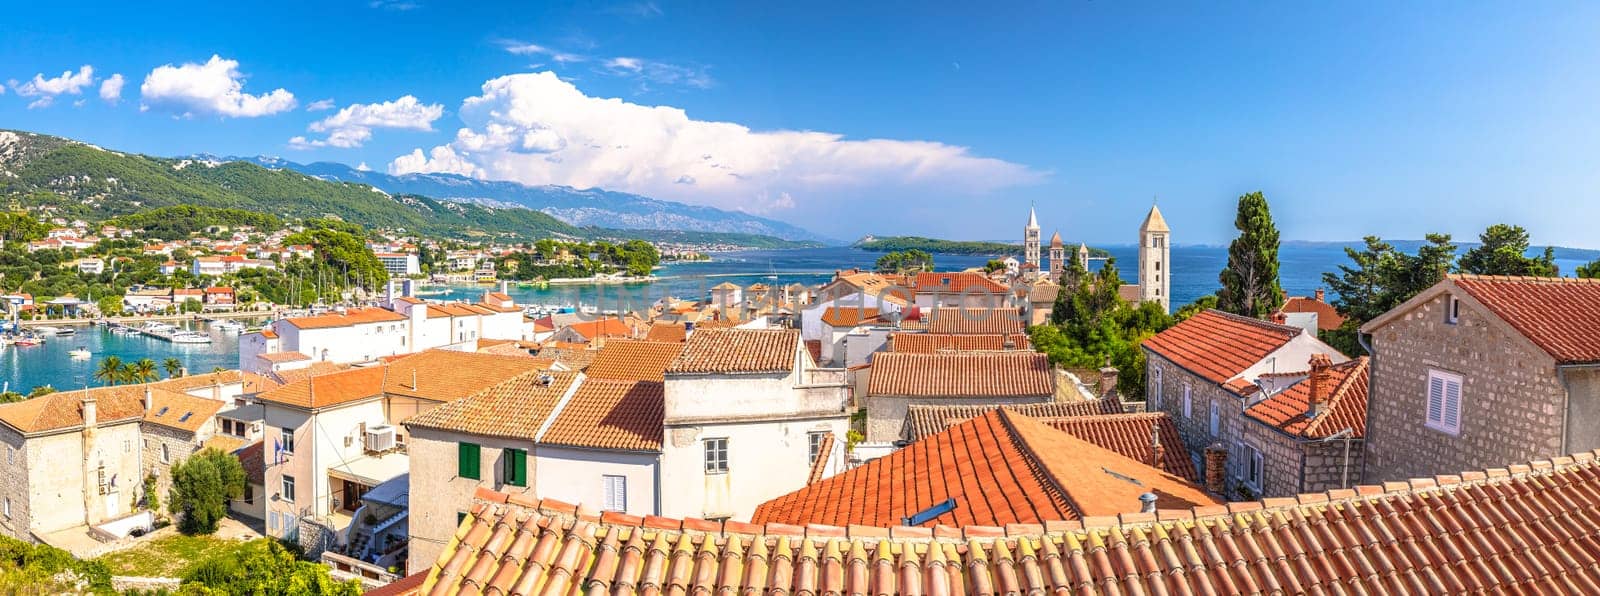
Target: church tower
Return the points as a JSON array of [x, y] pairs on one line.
[[1058, 256], [1030, 240], [1083, 256], [1155, 251]]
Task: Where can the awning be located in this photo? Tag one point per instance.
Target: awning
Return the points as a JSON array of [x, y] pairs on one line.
[[372, 471]]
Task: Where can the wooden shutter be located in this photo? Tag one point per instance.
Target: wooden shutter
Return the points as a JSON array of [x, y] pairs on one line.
[[516, 463], [467, 461], [616, 493], [1436, 399], [1452, 404]]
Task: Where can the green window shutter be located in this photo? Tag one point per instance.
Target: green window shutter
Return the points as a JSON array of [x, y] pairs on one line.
[[516, 467], [467, 461]]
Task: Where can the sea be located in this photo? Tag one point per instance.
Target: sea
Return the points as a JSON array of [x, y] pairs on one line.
[[1194, 272]]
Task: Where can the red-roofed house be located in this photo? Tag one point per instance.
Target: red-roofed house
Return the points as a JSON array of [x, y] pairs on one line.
[[1479, 369], [898, 380], [1205, 371], [960, 289]]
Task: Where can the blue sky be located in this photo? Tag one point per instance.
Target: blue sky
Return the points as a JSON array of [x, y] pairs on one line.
[[944, 120]]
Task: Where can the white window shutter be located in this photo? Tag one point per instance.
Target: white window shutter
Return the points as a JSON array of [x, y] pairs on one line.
[[1452, 405], [1436, 399]]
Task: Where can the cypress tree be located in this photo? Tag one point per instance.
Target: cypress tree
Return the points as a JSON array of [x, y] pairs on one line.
[[1250, 282]]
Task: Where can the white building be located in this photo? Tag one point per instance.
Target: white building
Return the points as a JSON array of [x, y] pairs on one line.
[[219, 265], [745, 414], [853, 290], [399, 263], [1155, 256]]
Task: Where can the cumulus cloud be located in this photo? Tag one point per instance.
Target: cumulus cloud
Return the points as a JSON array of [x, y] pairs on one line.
[[538, 129], [216, 87], [320, 105], [111, 89], [352, 126], [45, 90]]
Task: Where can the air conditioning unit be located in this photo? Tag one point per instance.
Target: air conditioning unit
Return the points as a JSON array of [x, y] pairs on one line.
[[380, 438]]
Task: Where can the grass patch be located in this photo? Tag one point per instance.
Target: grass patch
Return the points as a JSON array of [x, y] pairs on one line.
[[169, 556]]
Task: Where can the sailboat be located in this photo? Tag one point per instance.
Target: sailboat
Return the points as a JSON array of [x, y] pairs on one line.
[[773, 275]]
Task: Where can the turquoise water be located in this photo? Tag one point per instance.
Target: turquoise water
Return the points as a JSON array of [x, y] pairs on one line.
[[1194, 274]]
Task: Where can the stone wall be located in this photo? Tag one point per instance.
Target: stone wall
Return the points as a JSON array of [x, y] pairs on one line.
[[14, 484], [1195, 428], [179, 444], [1511, 399], [1324, 467]]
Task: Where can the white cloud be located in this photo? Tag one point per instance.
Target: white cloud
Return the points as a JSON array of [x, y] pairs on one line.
[[111, 89], [363, 167], [352, 126], [46, 90], [2, 89], [397, 5], [216, 87], [533, 49], [539, 129], [320, 105]]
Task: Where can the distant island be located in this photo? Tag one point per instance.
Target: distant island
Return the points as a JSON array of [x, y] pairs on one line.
[[952, 247]]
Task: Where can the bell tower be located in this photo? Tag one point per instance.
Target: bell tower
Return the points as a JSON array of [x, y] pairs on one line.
[[1155, 251], [1030, 240]]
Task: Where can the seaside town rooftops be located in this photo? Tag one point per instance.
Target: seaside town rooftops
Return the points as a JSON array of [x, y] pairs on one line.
[[329, 390], [629, 360], [929, 343], [279, 357], [1517, 528], [1559, 315], [354, 316], [63, 410], [610, 414], [444, 375], [961, 374], [981, 321], [515, 408], [180, 411], [849, 316], [664, 332], [607, 327], [1345, 404], [1001, 468], [1218, 346], [924, 420], [719, 351], [1328, 318], [958, 282], [1131, 436]]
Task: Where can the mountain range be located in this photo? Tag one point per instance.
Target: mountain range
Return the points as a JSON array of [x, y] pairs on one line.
[[591, 207]]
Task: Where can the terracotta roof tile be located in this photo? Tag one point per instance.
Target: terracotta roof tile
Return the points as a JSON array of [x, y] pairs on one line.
[[627, 360], [1218, 346], [981, 321], [515, 408], [180, 411], [925, 420], [327, 390], [1001, 468], [961, 374], [1129, 435], [64, 409], [667, 332], [1346, 407], [609, 327], [435, 375], [1525, 533], [957, 282], [354, 316], [848, 316], [1560, 315], [738, 351], [611, 414], [1328, 318], [928, 343], [278, 357]]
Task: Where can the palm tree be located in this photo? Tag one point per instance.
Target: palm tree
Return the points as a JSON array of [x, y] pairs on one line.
[[109, 370], [142, 371], [174, 367]]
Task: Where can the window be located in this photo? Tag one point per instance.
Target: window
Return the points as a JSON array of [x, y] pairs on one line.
[[272, 521], [814, 444], [1216, 419], [166, 455], [1253, 465], [1187, 403], [288, 440], [1444, 402], [616, 492], [1155, 396], [717, 456], [249, 494], [515, 463], [1452, 311], [467, 460], [11, 453], [288, 489], [8, 507]]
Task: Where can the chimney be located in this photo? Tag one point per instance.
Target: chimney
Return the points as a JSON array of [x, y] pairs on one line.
[[1319, 295], [1216, 460], [506, 285], [1321, 384], [149, 400], [1157, 452], [1108, 381], [1280, 318], [1147, 503], [89, 420]]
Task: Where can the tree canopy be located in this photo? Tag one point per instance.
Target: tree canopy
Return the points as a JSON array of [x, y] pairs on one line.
[[1250, 281], [1090, 326], [905, 261], [201, 488], [1504, 251], [265, 568]]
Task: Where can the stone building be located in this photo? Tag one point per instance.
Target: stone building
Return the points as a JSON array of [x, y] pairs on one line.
[[1204, 373], [72, 459], [1303, 431], [1477, 370], [175, 426], [899, 380], [1155, 258]]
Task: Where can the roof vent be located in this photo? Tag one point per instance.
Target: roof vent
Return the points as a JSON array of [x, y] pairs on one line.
[[546, 380], [1147, 503]]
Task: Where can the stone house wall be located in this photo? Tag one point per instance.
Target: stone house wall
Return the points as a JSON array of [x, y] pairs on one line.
[[1512, 401], [179, 445], [1196, 427], [14, 484]]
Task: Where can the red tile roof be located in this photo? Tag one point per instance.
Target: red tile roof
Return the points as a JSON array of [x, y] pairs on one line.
[[64, 409], [925, 420], [1346, 407], [1218, 346], [1001, 468], [611, 327], [961, 374], [848, 316], [1328, 319], [982, 321], [515, 408], [958, 282], [627, 360], [667, 332], [180, 411], [1523, 529], [928, 343], [354, 316], [607, 414], [1129, 435], [1560, 315], [738, 351], [330, 389]]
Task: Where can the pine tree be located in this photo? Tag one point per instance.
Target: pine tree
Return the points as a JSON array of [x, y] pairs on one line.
[[1250, 282], [1504, 251]]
